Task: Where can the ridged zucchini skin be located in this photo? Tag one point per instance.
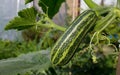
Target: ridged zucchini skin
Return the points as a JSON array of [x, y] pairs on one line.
[[67, 44]]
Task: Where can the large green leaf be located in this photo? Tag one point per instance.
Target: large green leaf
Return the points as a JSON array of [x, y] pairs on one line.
[[24, 63], [28, 1], [26, 18], [50, 7]]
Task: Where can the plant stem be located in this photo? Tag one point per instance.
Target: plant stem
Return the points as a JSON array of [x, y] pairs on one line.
[[118, 4], [108, 23], [54, 25], [98, 9], [91, 4], [100, 23], [51, 25], [36, 6]]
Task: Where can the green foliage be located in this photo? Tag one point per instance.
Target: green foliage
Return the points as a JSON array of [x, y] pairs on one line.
[[13, 49], [95, 62], [90, 59], [48, 39], [26, 19], [50, 7], [33, 41]]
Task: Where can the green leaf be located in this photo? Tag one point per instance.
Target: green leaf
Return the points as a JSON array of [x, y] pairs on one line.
[[50, 7], [91, 4], [26, 18], [32, 61], [28, 1]]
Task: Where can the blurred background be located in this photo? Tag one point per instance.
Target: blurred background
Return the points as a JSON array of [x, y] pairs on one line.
[[9, 9]]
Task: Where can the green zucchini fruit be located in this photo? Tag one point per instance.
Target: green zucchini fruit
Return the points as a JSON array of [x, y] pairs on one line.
[[66, 46]]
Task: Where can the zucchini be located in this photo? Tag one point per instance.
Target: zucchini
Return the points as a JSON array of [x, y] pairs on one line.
[[67, 44]]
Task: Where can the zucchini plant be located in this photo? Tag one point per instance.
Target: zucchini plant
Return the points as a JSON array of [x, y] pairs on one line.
[[94, 23], [70, 41]]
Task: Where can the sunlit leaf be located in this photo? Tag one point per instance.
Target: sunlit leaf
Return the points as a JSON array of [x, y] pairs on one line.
[[26, 18]]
